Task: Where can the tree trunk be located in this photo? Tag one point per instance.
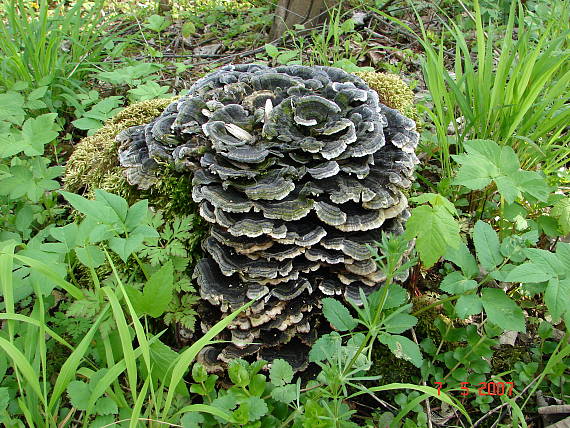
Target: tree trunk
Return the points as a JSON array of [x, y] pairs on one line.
[[290, 12]]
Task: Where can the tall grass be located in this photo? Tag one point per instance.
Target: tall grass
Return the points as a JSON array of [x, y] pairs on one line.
[[508, 87], [55, 47], [41, 400]]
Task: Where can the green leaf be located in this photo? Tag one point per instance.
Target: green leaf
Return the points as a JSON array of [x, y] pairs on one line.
[[529, 273], [106, 406], [501, 310], [199, 373], [325, 347], [338, 315], [403, 348], [467, 305], [188, 29], [95, 209], [257, 408], [557, 297], [563, 252], [548, 260], [137, 214], [281, 372], [78, 393], [463, 258], [118, 204], [561, 211], [86, 124], [156, 294], [11, 107], [192, 420], [456, 283], [435, 231], [285, 394], [397, 296], [271, 50], [399, 323], [238, 373], [39, 131], [487, 245], [90, 255], [124, 247]]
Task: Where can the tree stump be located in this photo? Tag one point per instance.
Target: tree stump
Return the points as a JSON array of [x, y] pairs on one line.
[[291, 12]]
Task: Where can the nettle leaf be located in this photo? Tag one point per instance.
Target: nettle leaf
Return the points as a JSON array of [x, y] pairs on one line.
[[456, 283], [487, 245], [501, 310], [561, 211], [467, 305], [281, 372], [338, 315], [435, 231], [399, 323], [403, 348], [557, 297]]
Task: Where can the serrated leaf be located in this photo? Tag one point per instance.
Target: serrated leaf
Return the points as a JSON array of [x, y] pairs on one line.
[[487, 245], [338, 315], [257, 408], [399, 323], [548, 260], [529, 273], [281, 372], [463, 258], [79, 394], [403, 348], [39, 131], [106, 406], [325, 347], [435, 231], [124, 247], [501, 310], [192, 420], [11, 107], [95, 209], [467, 305], [285, 394], [557, 297], [456, 283]]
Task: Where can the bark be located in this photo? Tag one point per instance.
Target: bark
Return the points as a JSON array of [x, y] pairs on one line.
[[310, 13]]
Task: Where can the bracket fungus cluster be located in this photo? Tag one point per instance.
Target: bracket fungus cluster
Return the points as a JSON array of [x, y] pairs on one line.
[[297, 169]]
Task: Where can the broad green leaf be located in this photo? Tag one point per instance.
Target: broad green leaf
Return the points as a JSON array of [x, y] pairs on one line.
[[435, 231], [281, 372], [467, 305], [78, 393], [86, 124], [106, 406], [548, 260], [487, 245], [285, 394], [463, 258], [157, 292], [561, 210], [257, 408], [403, 348], [338, 315], [124, 247], [397, 296], [188, 29], [557, 297], [238, 372], [118, 204], [96, 209], [532, 183], [192, 420], [529, 273], [11, 107], [325, 347], [39, 131], [456, 283], [400, 323], [137, 214], [563, 252], [501, 310], [435, 199], [90, 255], [271, 50]]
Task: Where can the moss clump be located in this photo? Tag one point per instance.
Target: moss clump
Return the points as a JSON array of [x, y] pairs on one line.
[[505, 356], [94, 163], [391, 368], [392, 91]]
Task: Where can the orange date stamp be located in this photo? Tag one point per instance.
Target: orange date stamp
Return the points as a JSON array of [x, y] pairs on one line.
[[483, 388]]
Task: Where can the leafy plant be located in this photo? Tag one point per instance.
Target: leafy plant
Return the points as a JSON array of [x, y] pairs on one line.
[[101, 111]]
